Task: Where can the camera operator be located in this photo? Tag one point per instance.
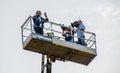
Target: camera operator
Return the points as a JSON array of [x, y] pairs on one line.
[[80, 32], [67, 33]]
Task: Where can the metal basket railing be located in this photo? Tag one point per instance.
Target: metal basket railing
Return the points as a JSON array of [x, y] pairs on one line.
[[27, 29]]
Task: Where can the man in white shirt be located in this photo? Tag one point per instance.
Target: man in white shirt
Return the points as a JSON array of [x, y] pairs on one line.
[[80, 33]]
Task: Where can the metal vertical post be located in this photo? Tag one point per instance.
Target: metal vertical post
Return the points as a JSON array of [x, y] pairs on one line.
[[49, 66], [22, 29], [51, 28], [22, 35], [31, 23], [42, 65], [95, 41]]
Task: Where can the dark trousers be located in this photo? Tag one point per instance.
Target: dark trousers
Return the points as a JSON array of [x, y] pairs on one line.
[[81, 41], [38, 30]]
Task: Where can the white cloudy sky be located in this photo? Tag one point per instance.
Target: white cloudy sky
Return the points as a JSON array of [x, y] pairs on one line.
[[99, 16]]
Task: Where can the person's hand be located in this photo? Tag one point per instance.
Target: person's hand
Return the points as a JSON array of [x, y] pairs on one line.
[[45, 14]]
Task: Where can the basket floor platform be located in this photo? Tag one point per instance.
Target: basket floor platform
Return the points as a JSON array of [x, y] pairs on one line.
[[59, 48]]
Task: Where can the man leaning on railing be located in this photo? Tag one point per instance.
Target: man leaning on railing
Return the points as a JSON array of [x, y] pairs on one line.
[[39, 22], [67, 33]]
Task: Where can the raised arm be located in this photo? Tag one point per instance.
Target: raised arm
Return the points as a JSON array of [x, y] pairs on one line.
[[46, 18], [45, 14]]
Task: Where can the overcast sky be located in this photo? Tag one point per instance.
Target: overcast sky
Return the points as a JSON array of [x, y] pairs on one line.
[[99, 16]]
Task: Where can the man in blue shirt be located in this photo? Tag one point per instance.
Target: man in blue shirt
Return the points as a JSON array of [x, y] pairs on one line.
[[80, 33], [39, 22]]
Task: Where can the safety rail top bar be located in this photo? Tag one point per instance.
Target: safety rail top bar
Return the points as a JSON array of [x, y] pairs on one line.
[[69, 27], [29, 19], [51, 23]]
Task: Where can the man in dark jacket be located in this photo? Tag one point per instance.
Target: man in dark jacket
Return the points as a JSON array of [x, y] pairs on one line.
[[67, 34], [39, 22]]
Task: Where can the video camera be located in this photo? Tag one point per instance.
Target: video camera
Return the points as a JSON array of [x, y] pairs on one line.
[[75, 24], [65, 27]]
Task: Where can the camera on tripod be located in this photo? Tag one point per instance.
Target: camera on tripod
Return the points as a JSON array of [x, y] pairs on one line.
[[75, 24]]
